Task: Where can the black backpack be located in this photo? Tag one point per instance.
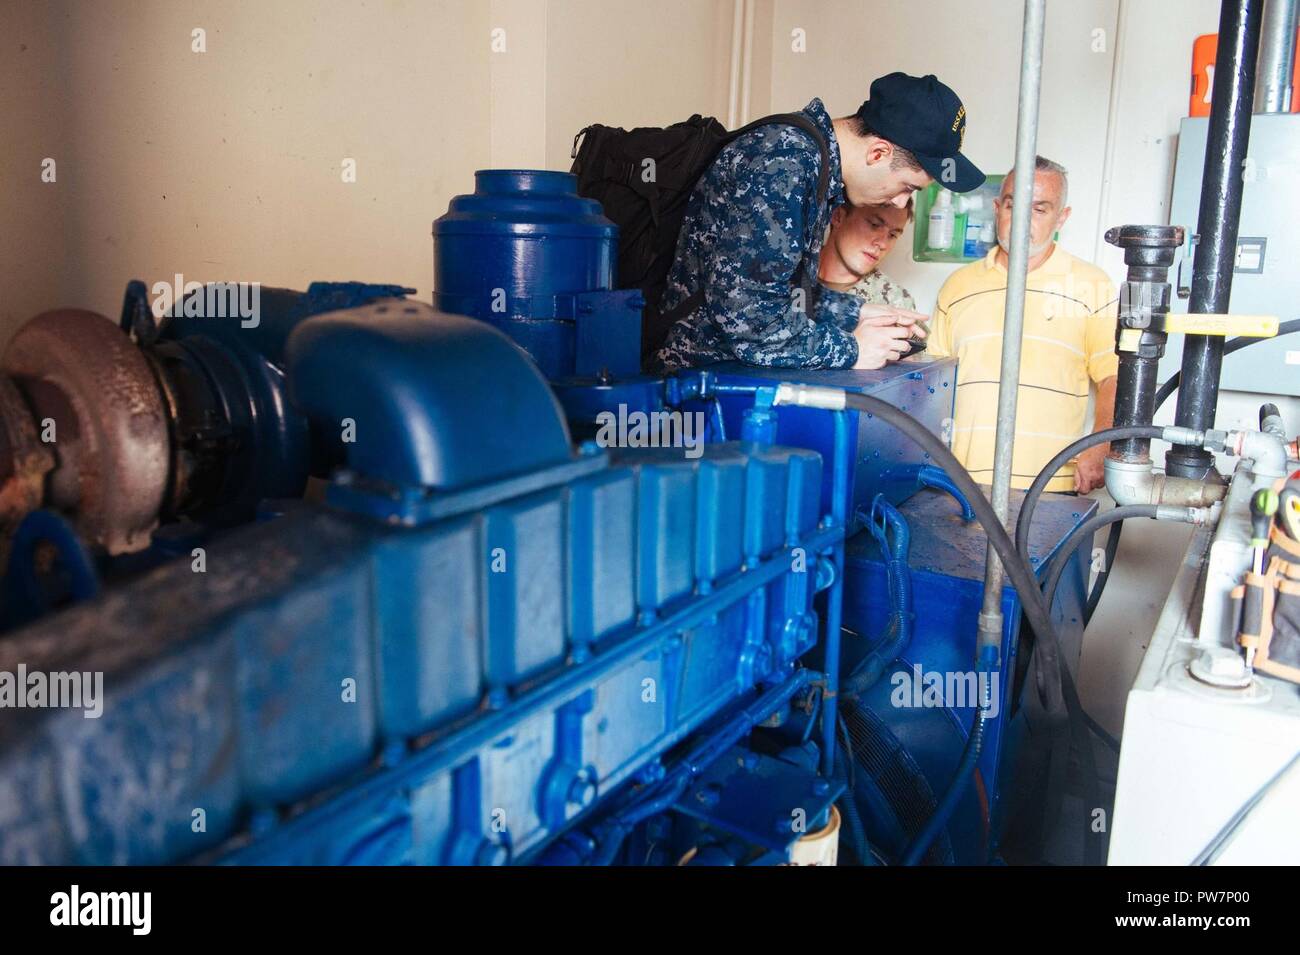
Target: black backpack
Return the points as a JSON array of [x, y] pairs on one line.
[[649, 215]]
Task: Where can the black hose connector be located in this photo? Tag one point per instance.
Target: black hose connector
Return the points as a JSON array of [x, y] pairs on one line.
[[1140, 335]]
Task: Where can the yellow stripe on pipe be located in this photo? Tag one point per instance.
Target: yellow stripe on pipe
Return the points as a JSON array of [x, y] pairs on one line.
[[1249, 326]]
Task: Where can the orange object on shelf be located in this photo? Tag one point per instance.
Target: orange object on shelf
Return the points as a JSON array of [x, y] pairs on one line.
[[1203, 50]]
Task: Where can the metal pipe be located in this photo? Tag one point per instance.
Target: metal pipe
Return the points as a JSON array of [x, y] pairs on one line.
[[835, 599], [1276, 57], [1133, 482], [747, 62], [733, 81], [1266, 450], [1031, 73], [1220, 213], [1112, 121]]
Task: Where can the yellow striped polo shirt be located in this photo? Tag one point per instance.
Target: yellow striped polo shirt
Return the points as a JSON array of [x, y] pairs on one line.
[[1069, 339]]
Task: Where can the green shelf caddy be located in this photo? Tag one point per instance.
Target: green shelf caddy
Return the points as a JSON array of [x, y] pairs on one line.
[[955, 252]]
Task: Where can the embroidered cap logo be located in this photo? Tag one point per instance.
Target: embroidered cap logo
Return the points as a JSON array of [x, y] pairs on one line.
[[959, 126]]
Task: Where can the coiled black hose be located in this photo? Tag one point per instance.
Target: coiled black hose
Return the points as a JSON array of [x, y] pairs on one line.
[[1108, 561]]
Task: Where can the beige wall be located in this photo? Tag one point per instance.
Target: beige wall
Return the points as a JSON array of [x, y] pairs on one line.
[[1151, 99], [976, 51], [34, 217], [628, 63], [228, 164]]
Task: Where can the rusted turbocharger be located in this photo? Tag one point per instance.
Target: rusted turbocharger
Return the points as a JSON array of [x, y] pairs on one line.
[[121, 425], [85, 429]]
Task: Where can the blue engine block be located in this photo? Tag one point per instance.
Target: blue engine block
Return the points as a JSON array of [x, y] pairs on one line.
[[453, 685], [486, 639]]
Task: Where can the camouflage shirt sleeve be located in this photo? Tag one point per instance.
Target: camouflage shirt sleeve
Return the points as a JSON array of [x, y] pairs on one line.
[[751, 290], [876, 288]]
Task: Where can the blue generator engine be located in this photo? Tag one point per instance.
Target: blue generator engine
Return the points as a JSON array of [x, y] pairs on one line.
[[354, 579]]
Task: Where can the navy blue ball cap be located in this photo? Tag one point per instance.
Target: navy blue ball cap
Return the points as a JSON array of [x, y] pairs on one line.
[[926, 118]]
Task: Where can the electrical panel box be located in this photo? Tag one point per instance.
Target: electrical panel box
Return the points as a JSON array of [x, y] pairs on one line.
[[963, 227], [1265, 280]]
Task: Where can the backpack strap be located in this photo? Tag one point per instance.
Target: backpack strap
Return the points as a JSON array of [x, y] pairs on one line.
[[809, 127]]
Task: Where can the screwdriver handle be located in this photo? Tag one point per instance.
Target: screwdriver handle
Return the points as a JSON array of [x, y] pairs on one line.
[[1263, 505]]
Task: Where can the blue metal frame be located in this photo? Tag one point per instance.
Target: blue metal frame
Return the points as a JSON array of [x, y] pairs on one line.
[[925, 389]]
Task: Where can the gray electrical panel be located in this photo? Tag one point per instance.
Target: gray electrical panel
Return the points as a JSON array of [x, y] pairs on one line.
[[1266, 280]]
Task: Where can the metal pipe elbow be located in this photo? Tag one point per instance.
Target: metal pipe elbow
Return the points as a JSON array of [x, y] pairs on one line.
[[1133, 482], [1267, 451]]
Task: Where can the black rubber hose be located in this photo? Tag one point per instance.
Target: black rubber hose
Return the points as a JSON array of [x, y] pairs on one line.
[[1017, 570], [1059, 761], [1094, 597], [1076, 536], [1112, 548], [1115, 518], [1025, 519]]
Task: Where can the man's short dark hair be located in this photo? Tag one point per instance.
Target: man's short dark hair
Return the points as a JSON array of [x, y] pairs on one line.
[[850, 208], [903, 158]]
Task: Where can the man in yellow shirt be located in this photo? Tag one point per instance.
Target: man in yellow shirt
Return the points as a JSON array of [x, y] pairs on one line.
[[1068, 341]]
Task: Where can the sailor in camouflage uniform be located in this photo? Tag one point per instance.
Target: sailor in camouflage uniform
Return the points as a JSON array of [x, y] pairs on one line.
[[747, 254]]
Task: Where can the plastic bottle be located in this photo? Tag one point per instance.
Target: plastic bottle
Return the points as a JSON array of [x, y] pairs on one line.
[[941, 222], [973, 206]]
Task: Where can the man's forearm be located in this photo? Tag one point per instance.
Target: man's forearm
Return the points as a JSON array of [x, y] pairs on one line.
[[1089, 472], [763, 328], [1104, 411]]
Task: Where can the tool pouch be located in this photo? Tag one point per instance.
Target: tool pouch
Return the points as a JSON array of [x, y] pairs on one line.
[[1268, 606]]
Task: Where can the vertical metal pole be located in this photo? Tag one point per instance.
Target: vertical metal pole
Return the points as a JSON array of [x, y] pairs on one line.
[[1031, 72], [1276, 57], [1220, 214], [835, 599]]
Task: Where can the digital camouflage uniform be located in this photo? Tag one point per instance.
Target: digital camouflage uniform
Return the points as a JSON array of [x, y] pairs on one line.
[[876, 288], [751, 227]]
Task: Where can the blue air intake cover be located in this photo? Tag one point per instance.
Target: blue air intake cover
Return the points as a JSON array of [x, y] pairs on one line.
[[524, 252], [435, 401]]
